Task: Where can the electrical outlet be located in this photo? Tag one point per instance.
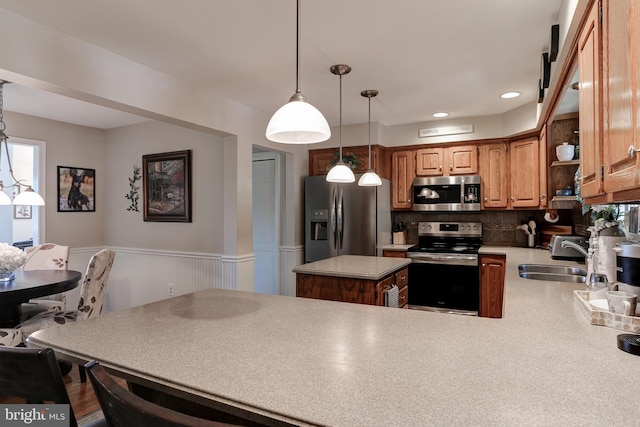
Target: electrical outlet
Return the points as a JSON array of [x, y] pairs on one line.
[[170, 289]]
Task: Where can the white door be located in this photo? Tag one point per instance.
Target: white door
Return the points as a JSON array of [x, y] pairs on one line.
[[265, 222]]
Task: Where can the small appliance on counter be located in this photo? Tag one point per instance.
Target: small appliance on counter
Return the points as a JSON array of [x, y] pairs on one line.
[[567, 253]]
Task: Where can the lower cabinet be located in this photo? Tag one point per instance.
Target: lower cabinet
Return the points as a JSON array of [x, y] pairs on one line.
[[492, 270], [347, 289]]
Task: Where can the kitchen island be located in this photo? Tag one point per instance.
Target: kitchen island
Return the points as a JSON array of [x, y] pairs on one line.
[[311, 362], [354, 278]]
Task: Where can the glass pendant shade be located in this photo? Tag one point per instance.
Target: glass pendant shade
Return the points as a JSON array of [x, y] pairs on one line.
[[298, 122], [369, 179], [29, 197], [4, 199], [341, 173]]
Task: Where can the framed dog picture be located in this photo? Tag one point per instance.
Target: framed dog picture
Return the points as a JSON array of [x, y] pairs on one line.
[[166, 183], [76, 189]]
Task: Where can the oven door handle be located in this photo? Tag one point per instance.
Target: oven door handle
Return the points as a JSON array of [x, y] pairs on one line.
[[446, 259]]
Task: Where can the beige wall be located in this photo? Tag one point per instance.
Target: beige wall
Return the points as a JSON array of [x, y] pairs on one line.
[[67, 145], [123, 228]]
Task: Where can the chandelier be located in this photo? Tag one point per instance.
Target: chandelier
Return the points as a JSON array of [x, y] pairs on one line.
[[27, 196]]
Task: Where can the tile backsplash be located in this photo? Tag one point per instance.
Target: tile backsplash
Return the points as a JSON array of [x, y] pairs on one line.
[[498, 227]]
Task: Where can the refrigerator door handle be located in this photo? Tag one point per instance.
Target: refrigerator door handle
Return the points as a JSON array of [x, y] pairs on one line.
[[340, 219], [334, 229]]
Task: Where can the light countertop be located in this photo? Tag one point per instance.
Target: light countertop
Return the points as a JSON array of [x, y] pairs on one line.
[[354, 266], [309, 361]]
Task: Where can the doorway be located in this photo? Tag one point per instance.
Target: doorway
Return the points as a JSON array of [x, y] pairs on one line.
[[26, 222], [266, 214]]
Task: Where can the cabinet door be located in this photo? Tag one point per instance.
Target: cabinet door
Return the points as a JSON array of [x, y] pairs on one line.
[[463, 160], [590, 104], [494, 170], [381, 286], [525, 167], [544, 167], [492, 269], [429, 162], [620, 37], [402, 175]]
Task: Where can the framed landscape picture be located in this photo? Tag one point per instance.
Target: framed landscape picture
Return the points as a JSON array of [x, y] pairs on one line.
[[166, 183], [76, 189]]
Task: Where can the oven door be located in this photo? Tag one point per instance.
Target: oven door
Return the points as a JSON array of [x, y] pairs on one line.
[[444, 282]]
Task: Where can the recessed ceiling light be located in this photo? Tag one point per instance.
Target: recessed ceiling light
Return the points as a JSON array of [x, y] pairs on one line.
[[508, 95], [443, 114]]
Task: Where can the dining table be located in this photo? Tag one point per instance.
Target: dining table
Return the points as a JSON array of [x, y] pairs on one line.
[[32, 284]]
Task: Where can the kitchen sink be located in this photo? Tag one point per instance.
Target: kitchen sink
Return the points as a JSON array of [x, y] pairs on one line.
[[554, 273]]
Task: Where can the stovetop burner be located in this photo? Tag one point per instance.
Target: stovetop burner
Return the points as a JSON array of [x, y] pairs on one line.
[[447, 237]]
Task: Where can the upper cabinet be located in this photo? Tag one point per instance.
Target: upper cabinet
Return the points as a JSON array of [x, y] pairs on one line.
[[609, 102], [621, 94], [443, 161], [321, 160], [590, 66], [402, 175], [525, 172], [494, 172]]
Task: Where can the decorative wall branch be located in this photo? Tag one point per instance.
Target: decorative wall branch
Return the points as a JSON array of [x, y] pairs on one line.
[[133, 195]]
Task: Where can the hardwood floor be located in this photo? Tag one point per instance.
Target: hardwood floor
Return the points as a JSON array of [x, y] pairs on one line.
[[83, 399]]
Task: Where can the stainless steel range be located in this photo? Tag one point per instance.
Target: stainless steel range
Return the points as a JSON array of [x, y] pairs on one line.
[[444, 274]]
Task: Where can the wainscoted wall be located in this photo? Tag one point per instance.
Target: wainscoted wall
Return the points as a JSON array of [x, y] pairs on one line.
[[290, 256], [141, 276]]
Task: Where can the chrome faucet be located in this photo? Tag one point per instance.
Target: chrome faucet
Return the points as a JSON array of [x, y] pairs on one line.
[[577, 247]]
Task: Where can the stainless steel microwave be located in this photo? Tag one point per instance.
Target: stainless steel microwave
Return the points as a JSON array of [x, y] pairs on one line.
[[447, 193]]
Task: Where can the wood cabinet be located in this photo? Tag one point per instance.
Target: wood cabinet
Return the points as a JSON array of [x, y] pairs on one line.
[[561, 174], [354, 290], [492, 271], [590, 104], [525, 170], [443, 161], [494, 172], [394, 254], [621, 94], [402, 176], [543, 191], [511, 175], [402, 282], [321, 161]]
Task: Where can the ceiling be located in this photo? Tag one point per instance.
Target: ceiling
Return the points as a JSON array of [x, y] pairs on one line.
[[422, 56]]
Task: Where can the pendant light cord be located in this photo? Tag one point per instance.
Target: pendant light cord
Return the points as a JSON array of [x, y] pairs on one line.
[[340, 117], [369, 132], [298, 46]]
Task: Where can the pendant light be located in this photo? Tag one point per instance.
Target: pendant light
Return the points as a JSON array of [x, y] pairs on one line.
[[27, 196], [297, 121], [340, 172], [370, 178]]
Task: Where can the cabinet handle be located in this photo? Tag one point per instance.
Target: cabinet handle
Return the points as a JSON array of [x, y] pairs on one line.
[[632, 151], [543, 196], [484, 265], [450, 167], [486, 199], [440, 168], [512, 199]]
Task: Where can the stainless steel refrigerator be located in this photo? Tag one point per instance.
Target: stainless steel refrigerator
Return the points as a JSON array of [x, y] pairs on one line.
[[345, 219]]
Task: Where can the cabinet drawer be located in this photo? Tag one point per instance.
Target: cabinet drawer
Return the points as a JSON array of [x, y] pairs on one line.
[[403, 297], [402, 278]]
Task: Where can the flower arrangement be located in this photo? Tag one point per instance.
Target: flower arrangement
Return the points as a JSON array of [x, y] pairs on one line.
[[11, 258]]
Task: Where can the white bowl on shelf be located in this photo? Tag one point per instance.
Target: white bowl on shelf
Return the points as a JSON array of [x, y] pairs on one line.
[[565, 151]]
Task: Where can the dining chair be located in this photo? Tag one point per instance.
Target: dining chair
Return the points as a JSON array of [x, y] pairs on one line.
[[92, 292], [33, 374], [122, 408], [10, 337], [47, 256]]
